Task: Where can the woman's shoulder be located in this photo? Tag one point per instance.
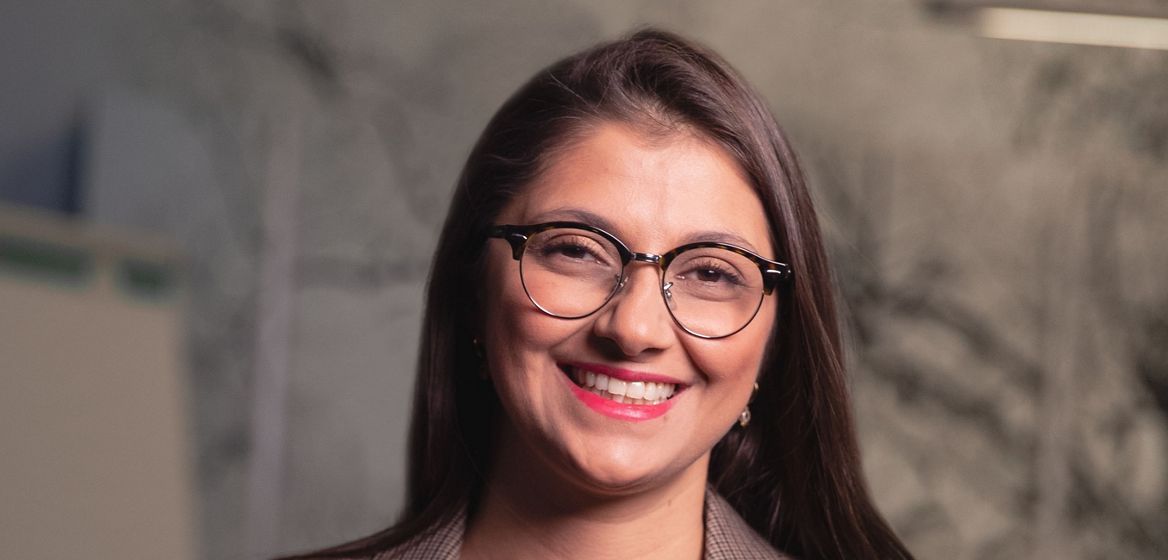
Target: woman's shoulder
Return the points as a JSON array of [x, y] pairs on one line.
[[729, 537]]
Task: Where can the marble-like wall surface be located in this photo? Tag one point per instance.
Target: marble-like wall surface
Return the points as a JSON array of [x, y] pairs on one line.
[[995, 210]]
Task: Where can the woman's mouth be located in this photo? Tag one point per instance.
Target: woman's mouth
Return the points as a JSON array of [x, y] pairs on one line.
[[621, 394], [618, 390]]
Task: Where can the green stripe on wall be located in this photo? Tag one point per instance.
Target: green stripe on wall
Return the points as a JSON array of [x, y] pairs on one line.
[[46, 261], [145, 279]]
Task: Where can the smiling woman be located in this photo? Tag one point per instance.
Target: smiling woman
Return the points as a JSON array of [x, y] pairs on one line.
[[630, 346], [658, 196]]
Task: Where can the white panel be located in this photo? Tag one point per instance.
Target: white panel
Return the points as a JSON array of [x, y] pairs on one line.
[[93, 427]]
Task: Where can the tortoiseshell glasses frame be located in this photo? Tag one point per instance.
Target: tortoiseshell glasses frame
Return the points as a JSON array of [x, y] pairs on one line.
[[771, 273]]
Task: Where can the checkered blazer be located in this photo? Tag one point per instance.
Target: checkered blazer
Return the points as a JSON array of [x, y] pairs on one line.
[[727, 537]]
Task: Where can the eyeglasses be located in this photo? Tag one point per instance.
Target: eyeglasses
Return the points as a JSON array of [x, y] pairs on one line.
[[571, 270]]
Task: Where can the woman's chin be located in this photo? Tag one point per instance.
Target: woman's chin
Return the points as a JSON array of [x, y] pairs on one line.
[[616, 476]]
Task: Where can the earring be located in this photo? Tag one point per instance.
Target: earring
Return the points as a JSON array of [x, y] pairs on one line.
[[478, 350], [744, 418]]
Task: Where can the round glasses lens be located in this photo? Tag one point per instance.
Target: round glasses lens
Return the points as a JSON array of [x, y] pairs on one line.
[[569, 272], [712, 291]]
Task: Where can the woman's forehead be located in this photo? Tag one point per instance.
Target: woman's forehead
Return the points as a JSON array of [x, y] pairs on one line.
[[647, 191]]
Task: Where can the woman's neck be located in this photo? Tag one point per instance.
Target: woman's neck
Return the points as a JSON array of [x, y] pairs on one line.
[[528, 512]]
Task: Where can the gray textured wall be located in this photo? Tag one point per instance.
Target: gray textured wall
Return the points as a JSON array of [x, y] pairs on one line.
[[996, 211]]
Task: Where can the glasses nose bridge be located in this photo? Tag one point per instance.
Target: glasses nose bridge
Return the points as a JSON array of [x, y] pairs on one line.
[[647, 258]]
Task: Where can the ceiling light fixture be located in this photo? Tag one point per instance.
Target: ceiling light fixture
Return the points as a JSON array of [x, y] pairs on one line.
[[1060, 26]]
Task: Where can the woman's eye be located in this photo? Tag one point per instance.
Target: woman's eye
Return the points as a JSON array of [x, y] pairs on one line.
[[709, 275], [573, 251], [712, 274]]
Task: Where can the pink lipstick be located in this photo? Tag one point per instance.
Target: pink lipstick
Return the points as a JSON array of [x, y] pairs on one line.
[[659, 392]]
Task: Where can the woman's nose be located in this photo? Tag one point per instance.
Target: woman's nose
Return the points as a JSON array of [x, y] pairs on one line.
[[636, 319]]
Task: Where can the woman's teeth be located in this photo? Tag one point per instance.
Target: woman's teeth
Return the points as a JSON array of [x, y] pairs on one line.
[[627, 392]]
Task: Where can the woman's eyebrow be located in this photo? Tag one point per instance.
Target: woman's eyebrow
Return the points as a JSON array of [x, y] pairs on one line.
[[593, 219], [577, 215], [720, 237]]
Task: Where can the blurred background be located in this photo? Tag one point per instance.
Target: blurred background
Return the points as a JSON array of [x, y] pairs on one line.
[[216, 220]]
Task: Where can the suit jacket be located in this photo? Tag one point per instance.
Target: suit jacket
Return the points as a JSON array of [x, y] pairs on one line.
[[727, 537]]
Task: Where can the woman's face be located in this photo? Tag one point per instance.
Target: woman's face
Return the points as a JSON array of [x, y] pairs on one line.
[[654, 196]]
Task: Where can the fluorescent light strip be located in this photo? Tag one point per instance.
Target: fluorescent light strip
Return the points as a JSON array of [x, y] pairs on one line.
[[1074, 28]]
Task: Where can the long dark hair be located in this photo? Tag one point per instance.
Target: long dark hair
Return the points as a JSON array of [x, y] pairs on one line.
[[794, 473]]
